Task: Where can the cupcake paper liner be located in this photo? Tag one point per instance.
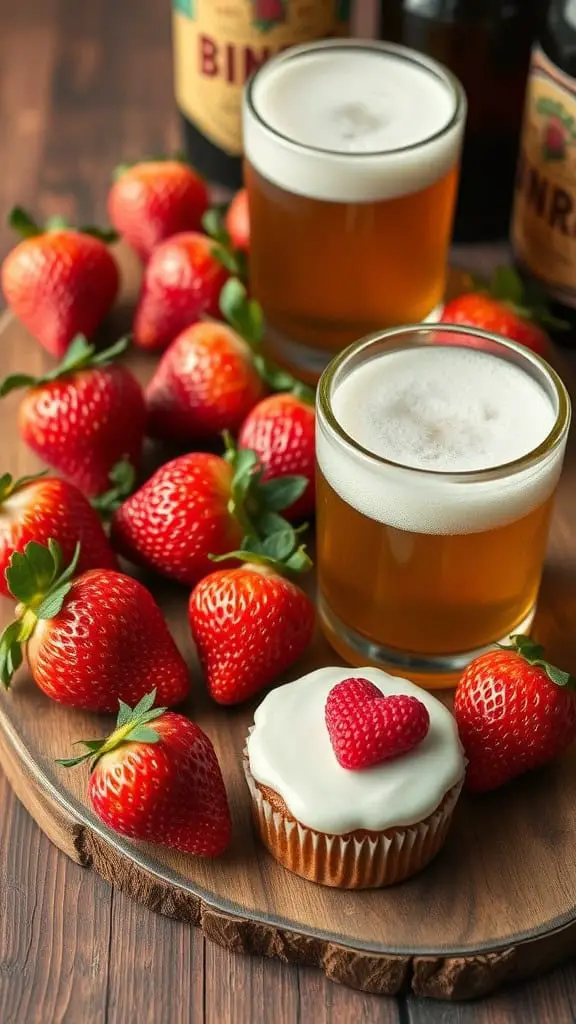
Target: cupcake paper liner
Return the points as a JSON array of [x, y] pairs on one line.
[[357, 860]]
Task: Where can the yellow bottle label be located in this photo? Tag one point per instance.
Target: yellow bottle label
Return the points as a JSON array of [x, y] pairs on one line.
[[219, 43], [544, 217]]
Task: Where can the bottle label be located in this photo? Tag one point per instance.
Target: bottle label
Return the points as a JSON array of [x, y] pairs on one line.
[[544, 217], [219, 43]]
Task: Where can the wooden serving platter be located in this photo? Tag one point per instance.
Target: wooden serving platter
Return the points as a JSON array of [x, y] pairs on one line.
[[498, 904]]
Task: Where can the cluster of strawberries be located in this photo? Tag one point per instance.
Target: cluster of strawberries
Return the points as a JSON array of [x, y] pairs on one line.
[[95, 638]]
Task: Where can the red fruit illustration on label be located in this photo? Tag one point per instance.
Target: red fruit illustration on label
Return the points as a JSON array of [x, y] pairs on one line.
[[268, 13], [554, 139]]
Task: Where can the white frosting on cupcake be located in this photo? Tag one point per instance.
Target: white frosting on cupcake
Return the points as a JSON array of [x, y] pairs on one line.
[[289, 750]]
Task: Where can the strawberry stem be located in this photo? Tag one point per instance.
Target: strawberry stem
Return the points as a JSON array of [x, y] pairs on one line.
[[246, 317], [80, 356], [281, 551], [8, 485], [21, 221], [132, 726], [122, 477], [533, 654], [36, 579]]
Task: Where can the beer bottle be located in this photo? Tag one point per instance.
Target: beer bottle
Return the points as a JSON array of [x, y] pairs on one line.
[[487, 44], [216, 47], [543, 230]]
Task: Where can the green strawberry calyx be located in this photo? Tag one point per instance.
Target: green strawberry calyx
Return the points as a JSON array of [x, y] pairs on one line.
[[213, 223], [9, 485], [81, 355], [524, 298], [280, 551], [21, 222], [245, 316], [132, 726], [38, 581], [533, 654], [257, 503], [155, 158], [122, 479]]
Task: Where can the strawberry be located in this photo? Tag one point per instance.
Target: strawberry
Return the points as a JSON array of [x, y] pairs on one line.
[[40, 507], [157, 778], [250, 623], [515, 712], [155, 199], [237, 221], [182, 284], [206, 382], [59, 282], [83, 417], [196, 506], [367, 727], [508, 308], [89, 641], [280, 429]]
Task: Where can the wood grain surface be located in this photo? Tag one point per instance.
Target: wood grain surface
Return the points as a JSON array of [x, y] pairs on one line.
[[82, 86]]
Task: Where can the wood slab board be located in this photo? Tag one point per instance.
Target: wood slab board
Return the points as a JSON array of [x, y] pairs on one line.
[[499, 902]]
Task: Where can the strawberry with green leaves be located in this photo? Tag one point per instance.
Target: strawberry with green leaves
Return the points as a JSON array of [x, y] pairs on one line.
[[515, 712], [60, 282], [507, 306], [156, 778], [211, 376], [84, 417], [250, 623], [90, 640], [41, 507], [196, 506]]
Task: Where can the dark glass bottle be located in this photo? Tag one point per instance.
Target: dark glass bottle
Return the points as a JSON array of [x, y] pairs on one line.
[[543, 231], [487, 44], [217, 46]]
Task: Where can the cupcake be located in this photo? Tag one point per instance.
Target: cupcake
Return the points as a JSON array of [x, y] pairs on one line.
[[348, 789]]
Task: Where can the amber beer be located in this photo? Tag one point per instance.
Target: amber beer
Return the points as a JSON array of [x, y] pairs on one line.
[[352, 152], [439, 451]]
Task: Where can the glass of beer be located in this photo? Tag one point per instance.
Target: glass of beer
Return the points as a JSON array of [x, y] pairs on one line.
[[352, 152], [439, 449]]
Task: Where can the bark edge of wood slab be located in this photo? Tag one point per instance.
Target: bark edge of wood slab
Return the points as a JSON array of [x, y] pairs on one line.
[[497, 905]]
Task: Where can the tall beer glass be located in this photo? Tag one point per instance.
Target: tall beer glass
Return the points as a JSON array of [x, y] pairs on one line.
[[352, 152], [439, 449]]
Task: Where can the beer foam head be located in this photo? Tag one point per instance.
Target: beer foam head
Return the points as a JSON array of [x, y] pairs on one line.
[[346, 121], [445, 410]]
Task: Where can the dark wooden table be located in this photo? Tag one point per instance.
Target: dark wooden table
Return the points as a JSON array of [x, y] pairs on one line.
[[83, 85]]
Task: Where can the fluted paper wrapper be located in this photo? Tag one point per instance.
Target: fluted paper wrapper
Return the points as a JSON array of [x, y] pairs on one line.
[[357, 860]]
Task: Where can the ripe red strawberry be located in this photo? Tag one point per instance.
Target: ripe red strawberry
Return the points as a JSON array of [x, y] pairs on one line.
[[515, 712], [84, 417], [155, 199], [196, 506], [506, 308], [90, 641], [59, 282], [280, 429], [237, 221], [157, 778], [367, 727], [249, 625], [206, 382], [39, 508], [182, 283]]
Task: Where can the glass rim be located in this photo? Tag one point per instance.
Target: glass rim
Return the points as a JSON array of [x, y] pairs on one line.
[[437, 69], [548, 444]]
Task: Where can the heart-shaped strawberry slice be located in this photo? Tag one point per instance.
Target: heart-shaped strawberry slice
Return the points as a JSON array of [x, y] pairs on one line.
[[367, 727]]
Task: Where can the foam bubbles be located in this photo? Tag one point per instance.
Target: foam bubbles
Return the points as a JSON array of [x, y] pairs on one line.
[[444, 409], [451, 410], [359, 107]]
